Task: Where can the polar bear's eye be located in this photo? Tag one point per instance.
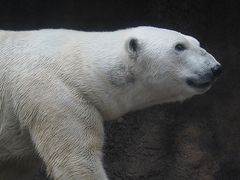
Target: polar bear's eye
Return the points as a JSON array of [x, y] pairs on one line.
[[180, 47]]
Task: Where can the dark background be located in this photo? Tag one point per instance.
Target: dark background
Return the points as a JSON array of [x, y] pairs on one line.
[[195, 140]]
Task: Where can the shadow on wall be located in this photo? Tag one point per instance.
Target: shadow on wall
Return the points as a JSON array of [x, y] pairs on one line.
[[198, 139]]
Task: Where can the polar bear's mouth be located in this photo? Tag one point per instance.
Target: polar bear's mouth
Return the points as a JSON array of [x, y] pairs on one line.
[[198, 83]]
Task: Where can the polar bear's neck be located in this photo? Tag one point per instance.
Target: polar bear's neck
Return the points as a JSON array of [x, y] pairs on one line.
[[98, 69]]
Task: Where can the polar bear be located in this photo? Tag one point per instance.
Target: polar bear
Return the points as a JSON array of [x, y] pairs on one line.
[[57, 87]]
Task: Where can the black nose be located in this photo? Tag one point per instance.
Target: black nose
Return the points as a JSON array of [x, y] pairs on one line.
[[217, 70]]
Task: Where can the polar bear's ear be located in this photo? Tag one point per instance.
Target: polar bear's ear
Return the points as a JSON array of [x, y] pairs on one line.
[[132, 46], [193, 40]]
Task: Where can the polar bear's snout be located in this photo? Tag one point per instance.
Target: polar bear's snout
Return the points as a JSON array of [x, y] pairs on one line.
[[203, 80]]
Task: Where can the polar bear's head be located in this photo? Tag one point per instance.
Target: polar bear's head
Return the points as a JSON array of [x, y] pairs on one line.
[[168, 65]]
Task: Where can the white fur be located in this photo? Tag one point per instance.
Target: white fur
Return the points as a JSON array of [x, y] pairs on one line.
[[57, 86]]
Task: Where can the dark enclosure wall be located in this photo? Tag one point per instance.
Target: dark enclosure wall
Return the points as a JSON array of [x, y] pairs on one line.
[[195, 140]]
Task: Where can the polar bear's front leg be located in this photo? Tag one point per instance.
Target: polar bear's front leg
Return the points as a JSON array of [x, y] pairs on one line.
[[71, 145], [68, 135]]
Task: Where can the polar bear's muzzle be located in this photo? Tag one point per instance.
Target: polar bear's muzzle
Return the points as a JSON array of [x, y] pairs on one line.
[[205, 81]]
